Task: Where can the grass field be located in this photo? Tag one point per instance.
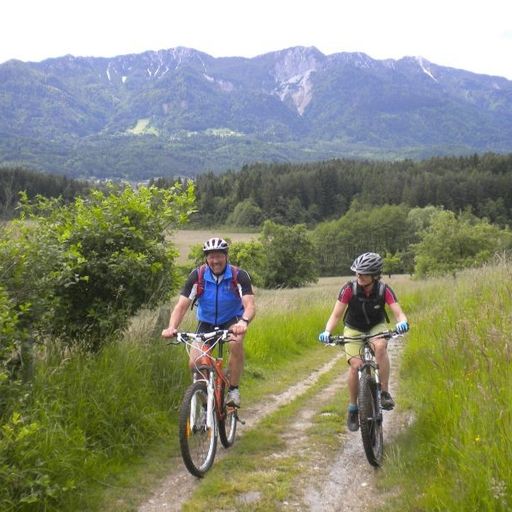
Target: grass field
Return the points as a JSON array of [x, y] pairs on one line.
[[91, 422], [186, 238]]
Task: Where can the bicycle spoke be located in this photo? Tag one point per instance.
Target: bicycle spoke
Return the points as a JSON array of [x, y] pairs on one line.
[[198, 442]]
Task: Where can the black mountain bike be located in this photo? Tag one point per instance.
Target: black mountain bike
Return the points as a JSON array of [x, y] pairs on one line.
[[368, 397]]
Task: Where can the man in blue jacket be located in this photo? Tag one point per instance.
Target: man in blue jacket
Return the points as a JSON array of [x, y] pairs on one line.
[[225, 300]]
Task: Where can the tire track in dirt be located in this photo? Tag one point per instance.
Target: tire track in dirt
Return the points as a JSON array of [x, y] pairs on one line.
[[178, 486], [350, 482], [341, 482]]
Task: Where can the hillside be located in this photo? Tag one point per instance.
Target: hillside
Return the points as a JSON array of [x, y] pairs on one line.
[[181, 112]]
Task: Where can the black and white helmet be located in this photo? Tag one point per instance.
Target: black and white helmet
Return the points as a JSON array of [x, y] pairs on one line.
[[368, 263], [215, 244]]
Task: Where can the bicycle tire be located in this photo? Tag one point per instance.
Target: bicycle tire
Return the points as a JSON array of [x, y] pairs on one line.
[[198, 443], [370, 420], [227, 425]]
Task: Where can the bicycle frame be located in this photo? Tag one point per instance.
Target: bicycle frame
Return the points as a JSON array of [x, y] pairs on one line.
[[370, 366], [208, 368]]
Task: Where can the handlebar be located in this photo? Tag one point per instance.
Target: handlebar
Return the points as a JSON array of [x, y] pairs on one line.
[[219, 335], [361, 338]]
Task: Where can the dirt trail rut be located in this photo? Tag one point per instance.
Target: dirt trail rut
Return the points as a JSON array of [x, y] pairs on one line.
[[179, 485], [328, 483]]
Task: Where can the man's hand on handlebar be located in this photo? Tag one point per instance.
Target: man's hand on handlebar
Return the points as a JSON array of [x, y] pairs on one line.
[[239, 328], [170, 332]]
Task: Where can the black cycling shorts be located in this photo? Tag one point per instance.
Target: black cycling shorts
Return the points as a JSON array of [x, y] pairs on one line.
[[206, 327]]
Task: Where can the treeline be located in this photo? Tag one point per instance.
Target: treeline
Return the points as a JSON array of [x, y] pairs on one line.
[[421, 241], [14, 180], [310, 193]]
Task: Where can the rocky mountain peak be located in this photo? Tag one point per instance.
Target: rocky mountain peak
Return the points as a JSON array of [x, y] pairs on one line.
[[296, 61], [292, 71]]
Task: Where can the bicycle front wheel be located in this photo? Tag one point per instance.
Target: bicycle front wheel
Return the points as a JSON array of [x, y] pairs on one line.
[[228, 421], [198, 442], [370, 419]]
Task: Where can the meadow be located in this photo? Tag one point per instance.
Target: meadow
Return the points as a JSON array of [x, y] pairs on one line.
[[456, 377], [186, 238], [98, 427]]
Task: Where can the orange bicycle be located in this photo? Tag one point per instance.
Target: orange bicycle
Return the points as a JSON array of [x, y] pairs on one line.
[[203, 414]]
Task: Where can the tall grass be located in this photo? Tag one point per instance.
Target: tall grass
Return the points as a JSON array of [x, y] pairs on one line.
[[82, 420], [456, 377], [86, 419]]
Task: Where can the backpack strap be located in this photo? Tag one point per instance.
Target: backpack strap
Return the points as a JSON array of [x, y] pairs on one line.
[[354, 294], [234, 279], [382, 293], [199, 284]]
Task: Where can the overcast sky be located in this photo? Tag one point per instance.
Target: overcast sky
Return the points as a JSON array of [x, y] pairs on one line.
[[475, 35]]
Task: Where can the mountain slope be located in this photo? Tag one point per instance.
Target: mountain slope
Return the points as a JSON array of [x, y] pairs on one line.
[[180, 111]]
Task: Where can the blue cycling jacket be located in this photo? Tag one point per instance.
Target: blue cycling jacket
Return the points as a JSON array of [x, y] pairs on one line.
[[219, 302]]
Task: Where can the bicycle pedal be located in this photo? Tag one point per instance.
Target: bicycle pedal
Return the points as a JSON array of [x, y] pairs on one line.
[[239, 420]]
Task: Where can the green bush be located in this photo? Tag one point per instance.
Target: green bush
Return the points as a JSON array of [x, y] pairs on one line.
[[251, 257], [289, 256], [107, 257], [451, 243]]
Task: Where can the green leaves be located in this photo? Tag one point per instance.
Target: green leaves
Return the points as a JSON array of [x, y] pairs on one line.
[[454, 242], [289, 256], [87, 266]]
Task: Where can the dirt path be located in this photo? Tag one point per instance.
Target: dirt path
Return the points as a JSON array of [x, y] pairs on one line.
[[179, 485], [330, 482], [339, 488]]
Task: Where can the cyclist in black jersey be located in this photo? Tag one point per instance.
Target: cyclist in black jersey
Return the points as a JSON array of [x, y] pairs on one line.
[[361, 305]]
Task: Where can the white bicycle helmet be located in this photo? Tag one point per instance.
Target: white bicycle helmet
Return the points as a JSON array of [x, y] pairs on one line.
[[215, 244], [368, 263]]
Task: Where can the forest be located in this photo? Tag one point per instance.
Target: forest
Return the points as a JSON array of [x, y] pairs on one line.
[[311, 193], [14, 180], [314, 192]]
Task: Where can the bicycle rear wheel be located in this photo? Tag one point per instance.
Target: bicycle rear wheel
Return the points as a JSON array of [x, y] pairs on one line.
[[227, 425], [370, 419], [198, 443]]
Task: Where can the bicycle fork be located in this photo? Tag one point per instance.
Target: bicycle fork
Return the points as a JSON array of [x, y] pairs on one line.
[[210, 402], [210, 399]]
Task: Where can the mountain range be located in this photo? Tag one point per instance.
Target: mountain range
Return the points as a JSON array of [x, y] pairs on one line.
[[181, 112]]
